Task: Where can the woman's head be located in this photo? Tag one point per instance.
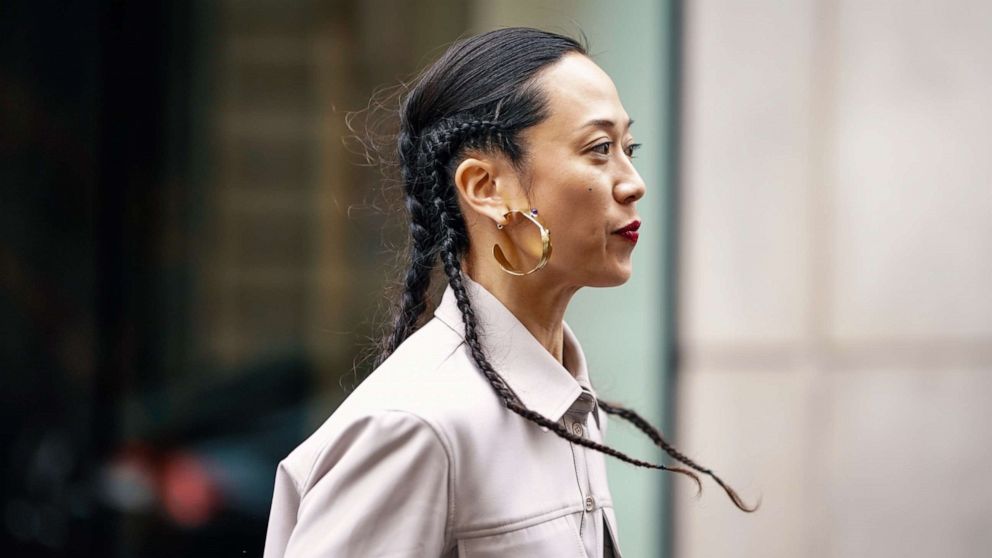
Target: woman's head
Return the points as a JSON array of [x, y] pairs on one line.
[[537, 93], [515, 119], [476, 104]]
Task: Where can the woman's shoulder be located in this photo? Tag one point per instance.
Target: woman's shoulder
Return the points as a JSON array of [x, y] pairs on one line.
[[430, 369], [431, 375], [430, 381]]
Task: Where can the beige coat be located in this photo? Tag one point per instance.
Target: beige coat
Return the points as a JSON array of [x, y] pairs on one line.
[[423, 460]]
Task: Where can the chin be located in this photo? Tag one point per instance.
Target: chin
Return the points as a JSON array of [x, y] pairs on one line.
[[619, 277]]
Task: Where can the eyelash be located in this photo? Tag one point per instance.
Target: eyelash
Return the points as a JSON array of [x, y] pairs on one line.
[[633, 148]]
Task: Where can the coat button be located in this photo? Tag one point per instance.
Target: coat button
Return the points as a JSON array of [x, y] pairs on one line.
[[590, 504], [577, 428]]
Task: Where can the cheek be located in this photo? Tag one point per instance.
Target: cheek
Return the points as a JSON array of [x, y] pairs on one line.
[[580, 194], [583, 225], [592, 197]]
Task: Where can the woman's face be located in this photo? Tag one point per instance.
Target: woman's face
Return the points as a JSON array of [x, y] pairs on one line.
[[582, 178]]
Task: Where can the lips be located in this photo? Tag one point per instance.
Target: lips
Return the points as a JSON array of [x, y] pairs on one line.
[[632, 226], [629, 231]]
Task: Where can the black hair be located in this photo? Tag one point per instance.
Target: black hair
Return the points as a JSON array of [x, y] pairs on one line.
[[480, 94]]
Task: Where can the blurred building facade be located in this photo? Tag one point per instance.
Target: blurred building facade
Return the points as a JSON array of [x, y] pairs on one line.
[[195, 253], [194, 250], [835, 308]]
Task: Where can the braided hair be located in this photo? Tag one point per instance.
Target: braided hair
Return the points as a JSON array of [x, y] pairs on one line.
[[480, 94]]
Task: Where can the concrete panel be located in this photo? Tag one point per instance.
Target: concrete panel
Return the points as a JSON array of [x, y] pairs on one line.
[[912, 175], [746, 178], [906, 461], [751, 429]]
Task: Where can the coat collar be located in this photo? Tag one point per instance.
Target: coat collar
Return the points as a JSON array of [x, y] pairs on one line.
[[541, 382]]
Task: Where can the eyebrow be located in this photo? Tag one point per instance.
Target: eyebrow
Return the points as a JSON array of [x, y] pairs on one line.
[[604, 123]]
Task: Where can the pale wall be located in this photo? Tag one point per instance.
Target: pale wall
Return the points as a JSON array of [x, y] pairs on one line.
[[836, 278]]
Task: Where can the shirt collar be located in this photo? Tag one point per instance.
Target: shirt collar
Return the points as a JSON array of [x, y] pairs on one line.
[[542, 383]]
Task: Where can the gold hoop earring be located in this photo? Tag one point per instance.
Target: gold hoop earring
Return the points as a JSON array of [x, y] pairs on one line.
[[545, 244]]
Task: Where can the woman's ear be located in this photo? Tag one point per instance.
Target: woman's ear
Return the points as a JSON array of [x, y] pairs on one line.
[[482, 189]]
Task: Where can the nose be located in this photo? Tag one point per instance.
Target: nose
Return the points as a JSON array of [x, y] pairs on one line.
[[630, 189]]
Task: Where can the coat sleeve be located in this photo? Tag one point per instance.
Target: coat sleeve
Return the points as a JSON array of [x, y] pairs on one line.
[[380, 487]]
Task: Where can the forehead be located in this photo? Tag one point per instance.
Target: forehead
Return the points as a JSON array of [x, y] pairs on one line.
[[578, 91]]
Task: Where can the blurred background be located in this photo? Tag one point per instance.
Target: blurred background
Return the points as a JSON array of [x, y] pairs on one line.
[[193, 258]]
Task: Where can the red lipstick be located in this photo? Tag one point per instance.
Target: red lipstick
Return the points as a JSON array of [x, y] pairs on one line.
[[629, 231]]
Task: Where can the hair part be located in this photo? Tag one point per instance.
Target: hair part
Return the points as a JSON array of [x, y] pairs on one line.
[[480, 95]]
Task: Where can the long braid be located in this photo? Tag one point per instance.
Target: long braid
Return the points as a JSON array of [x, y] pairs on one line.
[[637, 420], [417, 280], [422, 253]]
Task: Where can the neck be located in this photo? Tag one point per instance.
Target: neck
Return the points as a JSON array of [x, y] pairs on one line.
[[537, 300]]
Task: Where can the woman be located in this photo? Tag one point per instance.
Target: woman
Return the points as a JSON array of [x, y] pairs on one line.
[[479, 433]]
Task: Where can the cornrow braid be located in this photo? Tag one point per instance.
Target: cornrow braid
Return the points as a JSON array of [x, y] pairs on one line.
[[424, 236]]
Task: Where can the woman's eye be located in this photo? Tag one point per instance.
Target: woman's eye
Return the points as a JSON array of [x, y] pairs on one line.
[[630, 149], [605, 144]]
